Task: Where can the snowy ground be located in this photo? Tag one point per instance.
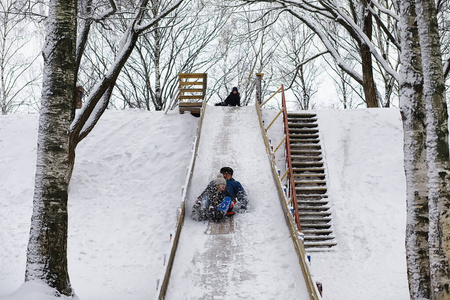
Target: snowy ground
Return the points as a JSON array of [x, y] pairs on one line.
[[127, 185]]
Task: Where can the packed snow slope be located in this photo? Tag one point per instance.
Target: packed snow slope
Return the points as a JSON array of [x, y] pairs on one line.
[[127, 185], [241, 263]]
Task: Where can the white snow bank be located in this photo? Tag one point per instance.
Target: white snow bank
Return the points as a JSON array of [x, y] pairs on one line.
[[127, 185]]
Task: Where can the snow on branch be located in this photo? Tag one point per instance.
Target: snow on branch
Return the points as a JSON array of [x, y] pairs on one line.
[[327, 43], [330, 10], [383, 10], [98, 100], [162, 15], [109, 12], [364, 39]]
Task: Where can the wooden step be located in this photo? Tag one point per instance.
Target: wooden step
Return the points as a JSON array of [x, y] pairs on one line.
[[302, 115], [309, 170], [310, 190], [315, 225], [309, 176], [311, 197], [305, 152], [302, 125], [303, 136], [312, 202], [306, 164], [297, 146], [315, 214], [317, 232], [306, 131], [315, 219], [306, 208], [318, 237], [306, 158], [191, 75], [185, 83], [184, 90], [300, 142], [190, 97], [317, 244], [311, 182]]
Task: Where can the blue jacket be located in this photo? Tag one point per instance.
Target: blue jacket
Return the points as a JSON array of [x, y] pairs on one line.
[[235, 189]]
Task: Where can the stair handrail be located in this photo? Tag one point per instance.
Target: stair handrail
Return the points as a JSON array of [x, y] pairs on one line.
[[311, 285], [290, 179]]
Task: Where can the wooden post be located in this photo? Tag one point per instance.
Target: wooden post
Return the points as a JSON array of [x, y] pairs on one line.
[[259, 77], [205, 78]]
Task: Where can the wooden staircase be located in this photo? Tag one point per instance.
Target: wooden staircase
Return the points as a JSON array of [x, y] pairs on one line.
[[310, 181], [192, 92]]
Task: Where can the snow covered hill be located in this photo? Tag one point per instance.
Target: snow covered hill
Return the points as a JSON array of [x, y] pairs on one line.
[[127, 185]]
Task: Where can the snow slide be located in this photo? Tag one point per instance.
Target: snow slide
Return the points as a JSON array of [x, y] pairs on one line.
[[254, 258]]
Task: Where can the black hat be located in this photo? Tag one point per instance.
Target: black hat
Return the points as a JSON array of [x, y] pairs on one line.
[[234, 89], [227, 170]]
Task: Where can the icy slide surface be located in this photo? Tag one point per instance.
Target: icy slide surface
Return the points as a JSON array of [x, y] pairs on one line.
[[255, 259]]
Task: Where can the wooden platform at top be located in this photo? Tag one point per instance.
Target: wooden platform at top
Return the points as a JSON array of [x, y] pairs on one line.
[[192, 92]]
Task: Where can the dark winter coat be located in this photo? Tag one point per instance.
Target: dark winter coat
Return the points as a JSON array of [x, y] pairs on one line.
[[211, 193], [233, 100]]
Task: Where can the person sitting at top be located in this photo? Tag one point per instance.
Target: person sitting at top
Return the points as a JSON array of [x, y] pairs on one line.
[[234, 99], [214, 202], [234, 189]]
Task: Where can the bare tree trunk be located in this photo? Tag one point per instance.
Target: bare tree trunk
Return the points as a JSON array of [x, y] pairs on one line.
[[157, 99], [47, 247], [437, 150], [368, 82], [370, 93], [413, 115]]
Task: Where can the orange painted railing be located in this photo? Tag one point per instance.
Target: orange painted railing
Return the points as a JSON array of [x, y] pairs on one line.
[[290, 179]]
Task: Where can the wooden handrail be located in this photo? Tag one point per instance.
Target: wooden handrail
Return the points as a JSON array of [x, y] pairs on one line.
[[291, 181], [294, 233]]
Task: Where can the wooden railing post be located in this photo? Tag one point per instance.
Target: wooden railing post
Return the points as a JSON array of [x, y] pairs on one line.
[[205, 80]]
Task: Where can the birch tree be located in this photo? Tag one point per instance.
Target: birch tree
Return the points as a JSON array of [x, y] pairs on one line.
[[424, 112], [47, 247], [412, 106], [60, 132], [437, 150]]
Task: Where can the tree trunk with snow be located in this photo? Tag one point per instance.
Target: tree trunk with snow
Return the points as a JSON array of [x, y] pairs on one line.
[[437, 150], [47, 247], [413, 112]]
